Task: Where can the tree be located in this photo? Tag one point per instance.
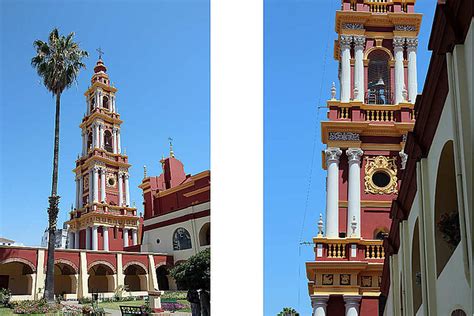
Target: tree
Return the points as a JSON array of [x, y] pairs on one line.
[[194, 273], [288, 311], [57, 62]]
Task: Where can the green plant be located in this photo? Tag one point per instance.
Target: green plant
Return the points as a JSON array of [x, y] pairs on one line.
[[35, 307], [5, 296], [288, 311], [449, 227], [58, 62], [194, 273]]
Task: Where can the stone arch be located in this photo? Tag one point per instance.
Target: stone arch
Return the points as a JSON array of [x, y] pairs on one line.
[[108, 142], [135, 263], [205, 235], [379, 77], [447, 226], [181, 239], [19, 275], [416, 276], [65, 277], [135, 276], [101, 277], [106, 102], [386, 50], [458, 312]]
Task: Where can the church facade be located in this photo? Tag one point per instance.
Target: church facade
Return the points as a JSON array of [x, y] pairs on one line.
[[365, 134], [110, 248]]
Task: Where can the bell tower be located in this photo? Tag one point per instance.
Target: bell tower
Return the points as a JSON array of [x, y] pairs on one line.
[[103, 218], [365, 134]]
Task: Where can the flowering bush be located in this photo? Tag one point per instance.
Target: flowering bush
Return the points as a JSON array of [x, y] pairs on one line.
[[35, 307], [73, 310], [172, 306], [5, 295]]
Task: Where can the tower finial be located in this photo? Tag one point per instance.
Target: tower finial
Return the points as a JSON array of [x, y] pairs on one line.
[[144, 171], [171, 147], [320, 225], [99, 50], [333, 91]]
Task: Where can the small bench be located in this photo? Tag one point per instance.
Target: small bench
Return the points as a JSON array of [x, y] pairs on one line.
[[132, 310]]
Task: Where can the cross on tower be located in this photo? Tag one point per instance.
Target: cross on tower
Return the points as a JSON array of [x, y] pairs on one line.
[[99, 50], [171, 147]]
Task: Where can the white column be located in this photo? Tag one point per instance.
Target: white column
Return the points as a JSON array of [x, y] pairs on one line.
[[353, 207], [112, 100], [120, 191], [359, 42], [84, 143], [125, 237], [91, 186], [127, 190], [134, 237], [101, 136], [99, 99], [119, 149], [114, 140], [76, 239], [102, 185], [319, 304], [94, 238], [81, 193], [77, 193], [70, 240], [345, 44], [105, 230], [88, 238], [399, 71], [412, 44], [88, 105], [352, 303], [96, 183], [332, 192]]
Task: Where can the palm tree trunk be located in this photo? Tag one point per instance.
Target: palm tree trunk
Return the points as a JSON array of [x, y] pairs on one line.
[[53, 210]]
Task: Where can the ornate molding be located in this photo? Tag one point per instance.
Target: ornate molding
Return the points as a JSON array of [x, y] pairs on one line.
[[380, 164], [345, 41], [412, 43], [405, 28], [345, 136], [353, 26], [332, 154], [354, 154], [398, 42], [359, 41]]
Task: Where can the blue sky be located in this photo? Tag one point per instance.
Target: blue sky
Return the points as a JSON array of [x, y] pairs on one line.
[[157, 54], [296, 36]]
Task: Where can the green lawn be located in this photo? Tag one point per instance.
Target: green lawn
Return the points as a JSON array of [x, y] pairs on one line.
[[116, 305], [5, 311]]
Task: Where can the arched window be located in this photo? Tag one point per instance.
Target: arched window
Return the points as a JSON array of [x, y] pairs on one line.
[[380, 233], [108, 145], [92, 103], [378, 83], [89, 140], [205, 235], [105, 102], [181, 239], [447, 227], [458, 312], [162, 277]]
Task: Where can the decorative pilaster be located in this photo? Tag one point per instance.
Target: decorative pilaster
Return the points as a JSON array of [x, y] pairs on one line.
[[94, 238], [81, 191], [127, 190], [114, 140], [125, 237], [70, 240], [352, 303], [95, 172], [345, 44], [332, 196], [412, 44], [398, 43], [105, 232], [88, 238], [97, 136], [319, 304], [120, 190], [77, 192], [76, 239], [101, 135], [359, 83], [84, 143], [353, 209], [134, 237], [119, 149], [102, 184]]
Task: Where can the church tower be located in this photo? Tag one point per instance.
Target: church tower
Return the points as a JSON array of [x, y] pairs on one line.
[[365, 136], [102, 218]]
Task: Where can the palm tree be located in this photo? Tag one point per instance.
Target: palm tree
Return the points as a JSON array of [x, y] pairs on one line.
[[288, 311], [57, 62]]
